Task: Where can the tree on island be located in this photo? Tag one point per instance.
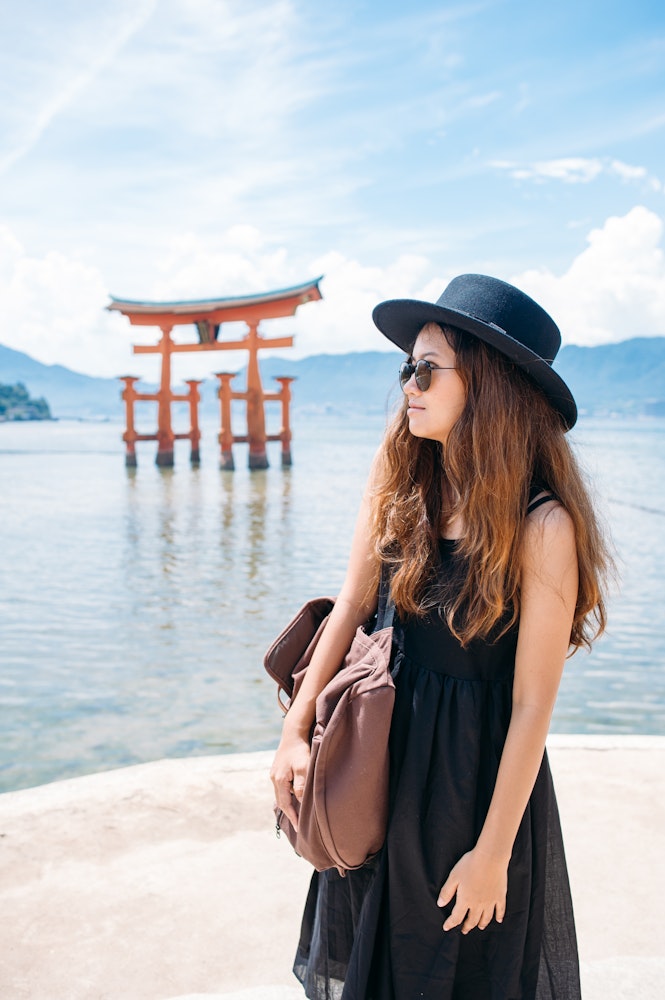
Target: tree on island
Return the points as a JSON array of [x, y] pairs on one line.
[[16, 404]]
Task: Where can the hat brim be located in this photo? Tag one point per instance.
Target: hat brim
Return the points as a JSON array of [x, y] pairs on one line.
[[401, 320]]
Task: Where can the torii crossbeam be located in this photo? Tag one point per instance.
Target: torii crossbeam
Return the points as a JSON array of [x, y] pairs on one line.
[[207, 316]]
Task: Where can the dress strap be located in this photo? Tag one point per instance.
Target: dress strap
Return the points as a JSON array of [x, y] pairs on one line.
[[534, 504]]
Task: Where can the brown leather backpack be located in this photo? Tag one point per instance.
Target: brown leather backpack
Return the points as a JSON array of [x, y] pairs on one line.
[[343, 814]]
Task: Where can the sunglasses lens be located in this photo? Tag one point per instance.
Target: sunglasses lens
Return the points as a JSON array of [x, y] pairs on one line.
[[423, 375], [405, 372], [422, 371]]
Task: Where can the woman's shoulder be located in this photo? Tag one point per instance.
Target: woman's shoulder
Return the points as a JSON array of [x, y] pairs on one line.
[[549, 531], [547, 520]]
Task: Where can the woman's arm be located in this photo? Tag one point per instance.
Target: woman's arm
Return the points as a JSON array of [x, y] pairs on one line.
[[356, 602], [548, 595]]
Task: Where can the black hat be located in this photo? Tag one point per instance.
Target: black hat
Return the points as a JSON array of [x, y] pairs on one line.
[[497, 313]]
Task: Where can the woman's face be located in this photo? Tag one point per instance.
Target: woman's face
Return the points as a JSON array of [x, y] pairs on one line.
[[433, 413]]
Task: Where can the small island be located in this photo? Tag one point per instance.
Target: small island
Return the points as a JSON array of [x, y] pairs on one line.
[[16, 404]]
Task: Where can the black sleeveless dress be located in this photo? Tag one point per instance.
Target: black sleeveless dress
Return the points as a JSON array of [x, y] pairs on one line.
[[376, 934]]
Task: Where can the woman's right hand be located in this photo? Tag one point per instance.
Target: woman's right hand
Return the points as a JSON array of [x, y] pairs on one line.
[[288, 772]]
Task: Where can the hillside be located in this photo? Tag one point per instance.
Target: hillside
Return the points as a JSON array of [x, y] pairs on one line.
[[625, 377], [628, 377], [17, 404]]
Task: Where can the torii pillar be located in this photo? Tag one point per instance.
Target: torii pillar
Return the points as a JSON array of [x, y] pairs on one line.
[[257, 437], [256, 418], [165, 438]]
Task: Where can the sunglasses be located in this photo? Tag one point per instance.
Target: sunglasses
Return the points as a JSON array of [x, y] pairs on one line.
[[422, 370]]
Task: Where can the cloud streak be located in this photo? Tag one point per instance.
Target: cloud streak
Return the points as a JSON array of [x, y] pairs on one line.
[[31, 131], [577, 170]]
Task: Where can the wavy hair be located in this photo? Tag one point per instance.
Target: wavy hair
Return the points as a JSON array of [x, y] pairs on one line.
[[507, 438]]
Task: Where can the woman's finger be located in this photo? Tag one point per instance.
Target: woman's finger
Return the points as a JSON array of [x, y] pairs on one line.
[[298, 784], [448, 890], [281, 779], [291, 814], [456, 917], [282, 784], [284, 799], [283, 794], [471, 920]]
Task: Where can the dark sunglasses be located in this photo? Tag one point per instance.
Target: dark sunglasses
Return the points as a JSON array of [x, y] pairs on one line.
[[422, 370]]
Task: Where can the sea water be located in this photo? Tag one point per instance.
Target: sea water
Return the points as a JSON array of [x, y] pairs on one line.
[[136, 605]]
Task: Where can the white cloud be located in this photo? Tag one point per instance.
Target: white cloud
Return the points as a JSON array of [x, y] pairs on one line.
[[343, 322], [232, 262], [51, 307], [577, 170], [570, 170], [242, 261], [626, 172], [614, 289]]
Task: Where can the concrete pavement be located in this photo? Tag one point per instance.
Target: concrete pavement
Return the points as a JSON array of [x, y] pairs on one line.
[[166, 880]]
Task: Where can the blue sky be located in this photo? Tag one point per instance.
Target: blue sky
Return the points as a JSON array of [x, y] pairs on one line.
[[187, 148]]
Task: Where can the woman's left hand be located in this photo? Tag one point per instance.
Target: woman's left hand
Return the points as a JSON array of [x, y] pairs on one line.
[[479, 883]]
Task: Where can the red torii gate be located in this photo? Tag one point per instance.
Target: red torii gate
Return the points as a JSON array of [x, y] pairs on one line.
[[207, 316]]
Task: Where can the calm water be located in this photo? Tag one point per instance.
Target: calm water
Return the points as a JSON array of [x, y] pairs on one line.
[[135, 606]]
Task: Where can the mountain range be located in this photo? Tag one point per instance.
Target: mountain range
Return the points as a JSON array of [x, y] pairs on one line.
[[627, 377]]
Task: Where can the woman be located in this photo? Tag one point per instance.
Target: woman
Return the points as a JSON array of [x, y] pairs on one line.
[[477, 508]]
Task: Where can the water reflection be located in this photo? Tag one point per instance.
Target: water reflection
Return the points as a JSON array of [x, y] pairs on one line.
[[166, 518], [257, 522], [227, 480]]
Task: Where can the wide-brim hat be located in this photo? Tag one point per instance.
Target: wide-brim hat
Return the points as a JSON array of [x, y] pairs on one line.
[[495, 312]]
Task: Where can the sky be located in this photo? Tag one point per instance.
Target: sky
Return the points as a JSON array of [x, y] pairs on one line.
[[170, 149]]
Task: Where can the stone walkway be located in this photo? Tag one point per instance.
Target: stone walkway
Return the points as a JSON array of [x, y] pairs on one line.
[[166, 881]]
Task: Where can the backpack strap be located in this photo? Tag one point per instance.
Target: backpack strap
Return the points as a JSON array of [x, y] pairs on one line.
[[385, 613]]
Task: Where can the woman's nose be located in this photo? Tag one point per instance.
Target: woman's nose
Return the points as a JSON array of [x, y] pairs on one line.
[[410, 386]]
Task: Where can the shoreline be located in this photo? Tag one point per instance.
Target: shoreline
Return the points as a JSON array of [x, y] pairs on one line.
[[588, 741], [166, 880]]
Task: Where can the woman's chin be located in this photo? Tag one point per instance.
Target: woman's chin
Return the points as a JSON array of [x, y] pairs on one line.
[[415, 429]]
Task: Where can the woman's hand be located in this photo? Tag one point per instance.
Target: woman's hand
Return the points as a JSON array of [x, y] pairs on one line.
[[288, 772], [479, 882]]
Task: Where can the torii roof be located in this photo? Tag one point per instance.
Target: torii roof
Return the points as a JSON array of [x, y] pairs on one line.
[[264, 305]]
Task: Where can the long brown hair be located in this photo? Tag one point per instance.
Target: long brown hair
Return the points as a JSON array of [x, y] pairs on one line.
[[507, 438]]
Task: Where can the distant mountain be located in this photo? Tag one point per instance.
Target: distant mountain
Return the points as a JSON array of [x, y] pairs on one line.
[[363, 382], [624, 377], [628, 377], [68, 393]]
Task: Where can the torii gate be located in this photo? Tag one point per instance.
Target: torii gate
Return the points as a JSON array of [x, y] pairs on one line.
[[207, 317]]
